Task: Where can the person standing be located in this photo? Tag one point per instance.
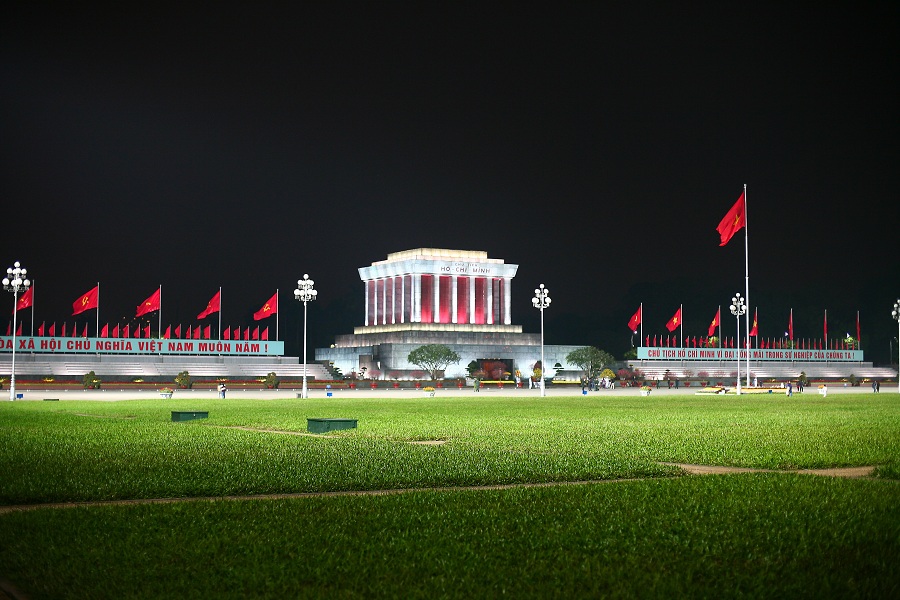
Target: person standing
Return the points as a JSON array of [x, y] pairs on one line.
[[790, 388], [476, 384]]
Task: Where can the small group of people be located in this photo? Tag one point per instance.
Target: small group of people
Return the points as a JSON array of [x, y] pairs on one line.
[[876, 386], [594, 384], [222, 389]]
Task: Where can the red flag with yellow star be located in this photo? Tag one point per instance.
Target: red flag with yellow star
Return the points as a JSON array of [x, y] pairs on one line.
[[734, 220], [675, 321]]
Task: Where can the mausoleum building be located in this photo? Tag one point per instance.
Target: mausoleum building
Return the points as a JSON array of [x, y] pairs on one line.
[[459, 298]]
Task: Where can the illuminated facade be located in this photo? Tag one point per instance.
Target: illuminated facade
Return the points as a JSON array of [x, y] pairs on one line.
[[438, 287], [459, 298]]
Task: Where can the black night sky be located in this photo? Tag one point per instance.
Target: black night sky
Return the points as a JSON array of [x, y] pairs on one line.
[[596, 145]]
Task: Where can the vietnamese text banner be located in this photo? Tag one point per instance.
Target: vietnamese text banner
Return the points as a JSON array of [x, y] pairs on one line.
[[651, 353], [65, 345]]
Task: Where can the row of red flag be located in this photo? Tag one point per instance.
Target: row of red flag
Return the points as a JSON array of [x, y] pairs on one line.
[[675, 322], [126, 331], [91, 299], [671, 341]]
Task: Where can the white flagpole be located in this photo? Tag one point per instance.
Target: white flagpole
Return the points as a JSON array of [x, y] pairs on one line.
[[747, 279]]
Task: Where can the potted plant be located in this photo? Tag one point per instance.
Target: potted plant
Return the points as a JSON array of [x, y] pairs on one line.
[[183, 380], [429, 391], [271, 381], [418, 375], [645, 390], [395, 375], [90, 381], [166, 392]]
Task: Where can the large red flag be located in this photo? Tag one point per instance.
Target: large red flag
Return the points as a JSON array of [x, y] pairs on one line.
[[635, 320], [26, 299], [213, 306], [675, 321], [150, 304], [754, 328], [268, 309], [715, 323], [734, 220], [87, 301]]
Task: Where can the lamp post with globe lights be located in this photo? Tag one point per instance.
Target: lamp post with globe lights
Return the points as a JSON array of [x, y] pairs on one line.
[[738, 309], [15, 282], [541, 301], [305, 293], [895, 314]]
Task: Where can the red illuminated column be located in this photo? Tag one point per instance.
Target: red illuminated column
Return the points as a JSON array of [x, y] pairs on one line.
[[436, 299], [471, 300], [507, 302]]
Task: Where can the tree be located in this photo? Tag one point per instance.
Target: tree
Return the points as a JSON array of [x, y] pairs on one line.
[[590, 360], [433, 358]]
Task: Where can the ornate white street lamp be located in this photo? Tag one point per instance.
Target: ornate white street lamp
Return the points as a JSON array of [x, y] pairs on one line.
[[15, 282], [541, 301], [895, 314], [305, 293], [738, 309]]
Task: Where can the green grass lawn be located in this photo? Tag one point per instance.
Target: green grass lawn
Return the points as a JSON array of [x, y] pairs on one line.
[[660, 535]]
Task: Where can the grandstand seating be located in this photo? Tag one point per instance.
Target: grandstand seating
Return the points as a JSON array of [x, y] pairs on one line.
[[127, 367]]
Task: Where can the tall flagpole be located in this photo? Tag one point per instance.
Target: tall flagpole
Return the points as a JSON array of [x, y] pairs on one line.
[[642, 325], [747, 280]]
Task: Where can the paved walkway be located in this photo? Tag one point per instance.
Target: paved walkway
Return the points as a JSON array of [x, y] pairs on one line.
[[112, 394]]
